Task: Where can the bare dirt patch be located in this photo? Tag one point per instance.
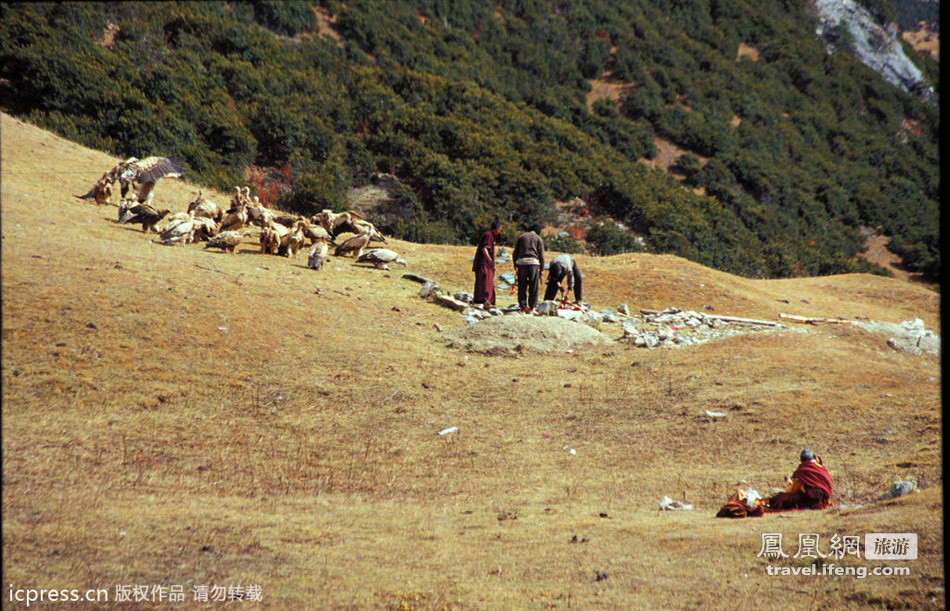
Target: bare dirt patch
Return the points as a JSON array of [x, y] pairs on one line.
[[666, 157], [878, 253], [747, 50], [327, 23], [606, 87], [108, 36], [924, 40], [515, 333]]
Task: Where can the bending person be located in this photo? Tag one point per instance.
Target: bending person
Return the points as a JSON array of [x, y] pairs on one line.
[[563, 267]]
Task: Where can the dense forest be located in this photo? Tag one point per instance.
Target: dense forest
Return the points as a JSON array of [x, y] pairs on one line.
[[479, 109]]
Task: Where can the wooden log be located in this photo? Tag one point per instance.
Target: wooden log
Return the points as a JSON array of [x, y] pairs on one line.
[[415, 278], [810, 320], [745, 321], [735, 319]]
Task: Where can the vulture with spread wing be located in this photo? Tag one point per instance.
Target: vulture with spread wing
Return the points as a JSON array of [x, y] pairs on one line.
[[141, 175]]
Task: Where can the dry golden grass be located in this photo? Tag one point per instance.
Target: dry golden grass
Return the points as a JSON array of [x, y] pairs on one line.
[[225, 423]]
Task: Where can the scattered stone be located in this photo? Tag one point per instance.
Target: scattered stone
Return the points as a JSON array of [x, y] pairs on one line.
[[929, 342], [449, 302], [92, 325], [451, 429], [547, 308], [629, 327], [463, 297], [428, 289], [602, 575], [901, 488], [438, 327], [508, 277], [478, 314], [624, 309]]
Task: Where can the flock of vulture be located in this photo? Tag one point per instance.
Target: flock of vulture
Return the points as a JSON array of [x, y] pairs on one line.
[[280, 233]]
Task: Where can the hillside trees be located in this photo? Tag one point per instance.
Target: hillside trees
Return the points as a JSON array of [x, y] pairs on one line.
[[480, 110]]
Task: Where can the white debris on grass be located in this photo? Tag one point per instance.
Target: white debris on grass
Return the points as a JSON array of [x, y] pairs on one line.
[[668, 504]]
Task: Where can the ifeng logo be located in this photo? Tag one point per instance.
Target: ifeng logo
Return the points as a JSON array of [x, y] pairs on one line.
[[890, 546], [877, 546]]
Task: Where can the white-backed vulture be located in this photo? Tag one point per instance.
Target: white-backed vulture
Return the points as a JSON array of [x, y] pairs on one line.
[[316, 233], [235, 219], [144, 214], [179, 231], [179, 216], [124, 206], [227, 240], [336, 222], [206, 208], [141, 175], [360, 226], [317, 255], [291, 243], [270, 239], [101, 191], [380, 258], [205, 228], [356, 244], [287, 219], [259, 215]]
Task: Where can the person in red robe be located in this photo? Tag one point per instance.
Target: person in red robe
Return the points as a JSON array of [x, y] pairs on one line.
[[810, 486], [484, 267]]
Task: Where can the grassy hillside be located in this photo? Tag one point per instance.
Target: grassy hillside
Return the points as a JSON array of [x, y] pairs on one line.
[[784, 150], [177, 416]]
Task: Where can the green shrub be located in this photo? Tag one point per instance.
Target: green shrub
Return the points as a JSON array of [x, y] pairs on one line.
[[563, 242], [608, 238]]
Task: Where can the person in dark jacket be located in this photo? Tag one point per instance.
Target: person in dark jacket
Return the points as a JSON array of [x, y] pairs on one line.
[[484, 267], [563, 266], [529, 261]]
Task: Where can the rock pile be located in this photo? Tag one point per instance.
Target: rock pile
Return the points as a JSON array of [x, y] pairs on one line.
[[670, 328], [675, 328], [513, 335], [909, 337]]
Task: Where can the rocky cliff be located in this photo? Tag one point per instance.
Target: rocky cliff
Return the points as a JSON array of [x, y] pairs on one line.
[[875, 46]]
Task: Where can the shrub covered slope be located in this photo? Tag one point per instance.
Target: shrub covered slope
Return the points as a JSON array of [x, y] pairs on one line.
[[480, 110]]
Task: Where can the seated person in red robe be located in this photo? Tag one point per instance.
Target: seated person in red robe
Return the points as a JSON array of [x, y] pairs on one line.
[[810, 486]]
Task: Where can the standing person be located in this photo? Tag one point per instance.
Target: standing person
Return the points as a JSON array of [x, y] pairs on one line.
[[484, 267], [809, 487], [563, 266], [529, 261]]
